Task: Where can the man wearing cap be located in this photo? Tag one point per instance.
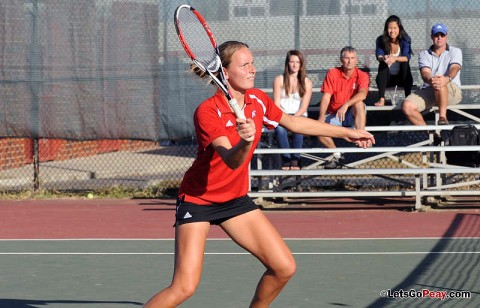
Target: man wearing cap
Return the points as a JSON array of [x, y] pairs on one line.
[[440, 70]]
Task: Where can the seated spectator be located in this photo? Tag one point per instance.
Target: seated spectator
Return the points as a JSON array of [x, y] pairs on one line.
[[393, 52], [344, 90], [440, 69], [291, 93]]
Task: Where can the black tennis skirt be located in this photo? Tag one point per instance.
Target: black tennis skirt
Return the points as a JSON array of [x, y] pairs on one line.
[[215, 213]]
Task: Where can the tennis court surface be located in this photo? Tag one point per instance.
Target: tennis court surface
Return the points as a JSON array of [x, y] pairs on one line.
[[117, 253]]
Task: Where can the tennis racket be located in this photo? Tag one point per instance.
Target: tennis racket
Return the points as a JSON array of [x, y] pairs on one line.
[[199, 43]]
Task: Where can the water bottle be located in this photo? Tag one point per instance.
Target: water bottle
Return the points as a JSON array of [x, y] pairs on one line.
[[394, 97]]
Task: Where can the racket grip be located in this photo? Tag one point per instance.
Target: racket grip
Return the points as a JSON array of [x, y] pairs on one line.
[[236, 108]]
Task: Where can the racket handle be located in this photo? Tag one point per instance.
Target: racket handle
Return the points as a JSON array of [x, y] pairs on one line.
[[236, 108]]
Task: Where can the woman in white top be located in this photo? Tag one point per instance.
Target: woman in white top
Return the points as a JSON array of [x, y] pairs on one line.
[[393, 51], [292, 92]]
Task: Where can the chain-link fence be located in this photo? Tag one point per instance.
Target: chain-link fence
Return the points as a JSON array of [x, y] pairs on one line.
[[97, 93]]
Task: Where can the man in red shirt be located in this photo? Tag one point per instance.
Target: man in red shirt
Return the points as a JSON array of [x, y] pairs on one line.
[[344, 90]]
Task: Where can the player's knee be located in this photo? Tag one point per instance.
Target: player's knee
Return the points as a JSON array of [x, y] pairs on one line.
[[185, 291], [291, 270], [287, 270]]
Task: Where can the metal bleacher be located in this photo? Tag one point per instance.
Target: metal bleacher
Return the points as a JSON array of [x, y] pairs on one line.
[[399, 165]]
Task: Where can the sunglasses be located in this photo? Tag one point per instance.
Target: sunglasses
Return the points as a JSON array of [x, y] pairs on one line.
[[439, 34]]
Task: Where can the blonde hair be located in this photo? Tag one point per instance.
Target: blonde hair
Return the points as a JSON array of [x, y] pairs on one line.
[[226, 51]]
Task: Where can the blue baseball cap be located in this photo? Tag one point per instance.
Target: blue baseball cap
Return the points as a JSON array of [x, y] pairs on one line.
[[439, 28]]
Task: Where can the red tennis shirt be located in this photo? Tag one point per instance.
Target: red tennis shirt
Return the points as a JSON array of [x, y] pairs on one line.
[[209, 180], [341, 88]]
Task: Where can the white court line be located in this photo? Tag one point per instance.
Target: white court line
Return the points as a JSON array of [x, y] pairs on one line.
[[245, 253]]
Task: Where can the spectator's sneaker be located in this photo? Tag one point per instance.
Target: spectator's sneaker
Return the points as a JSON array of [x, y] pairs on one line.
[[334, 163], [442, 121]]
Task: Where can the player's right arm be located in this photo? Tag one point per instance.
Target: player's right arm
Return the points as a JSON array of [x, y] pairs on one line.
[[235, 156]]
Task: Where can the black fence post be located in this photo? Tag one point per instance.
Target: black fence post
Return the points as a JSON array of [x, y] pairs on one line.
[[36, 165]]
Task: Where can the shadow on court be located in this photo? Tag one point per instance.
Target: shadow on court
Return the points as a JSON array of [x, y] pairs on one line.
[[452, 265], [28, 303]]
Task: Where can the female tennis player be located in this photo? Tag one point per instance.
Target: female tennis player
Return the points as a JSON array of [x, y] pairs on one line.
[[214, 189]]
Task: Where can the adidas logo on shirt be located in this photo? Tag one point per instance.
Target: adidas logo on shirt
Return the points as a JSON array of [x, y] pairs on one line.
[[187, 215], [229, 123]]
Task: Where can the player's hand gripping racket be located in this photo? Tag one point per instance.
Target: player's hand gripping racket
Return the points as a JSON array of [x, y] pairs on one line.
[[199, 44]]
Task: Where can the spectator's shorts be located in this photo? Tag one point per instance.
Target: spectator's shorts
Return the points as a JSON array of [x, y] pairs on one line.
[[425, 98], [349, 121]]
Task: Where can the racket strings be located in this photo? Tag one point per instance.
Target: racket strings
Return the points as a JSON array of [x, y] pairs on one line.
[[197, 39]]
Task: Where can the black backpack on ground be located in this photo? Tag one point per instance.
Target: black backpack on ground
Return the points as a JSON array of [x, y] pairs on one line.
[[464, 135]]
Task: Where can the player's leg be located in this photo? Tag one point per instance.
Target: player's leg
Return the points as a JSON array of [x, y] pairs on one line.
[[255, 233], [190, 242]]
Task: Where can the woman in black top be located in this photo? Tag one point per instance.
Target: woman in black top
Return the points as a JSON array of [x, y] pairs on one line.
[[393, 52]]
